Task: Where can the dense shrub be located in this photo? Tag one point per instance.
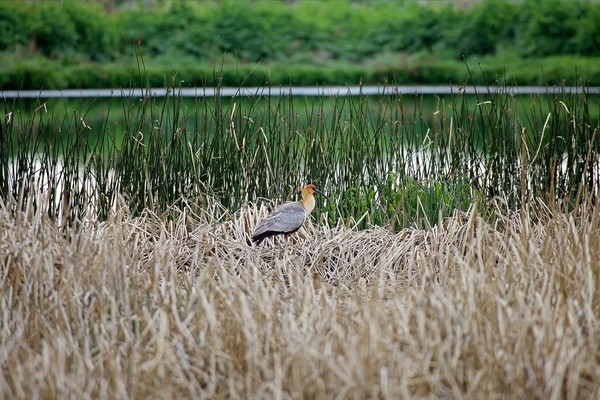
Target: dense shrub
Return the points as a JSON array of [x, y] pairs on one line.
[[481, 29], [276, 31], [334, 42], [96, 35], [12, 26], [142, 29], [40, 73], [51, 29], [587, 37], [548, 27]]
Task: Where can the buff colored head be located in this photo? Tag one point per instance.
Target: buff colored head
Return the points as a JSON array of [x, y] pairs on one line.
[[310, 190]]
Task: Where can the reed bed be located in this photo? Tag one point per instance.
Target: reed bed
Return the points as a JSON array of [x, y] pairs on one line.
[[458, 255], [178, 305], [383, 160]]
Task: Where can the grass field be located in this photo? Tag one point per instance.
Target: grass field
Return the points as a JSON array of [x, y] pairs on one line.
[[179, 306]]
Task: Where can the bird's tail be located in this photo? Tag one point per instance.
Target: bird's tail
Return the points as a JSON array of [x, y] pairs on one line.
[[254, 241]]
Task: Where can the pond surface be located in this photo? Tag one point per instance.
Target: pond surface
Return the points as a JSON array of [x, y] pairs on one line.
[[311, 91]]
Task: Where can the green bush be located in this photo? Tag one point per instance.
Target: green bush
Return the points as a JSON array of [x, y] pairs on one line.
[[53, 32], [315, 32], [58, 28], [96, 35], [587, 36], [61, 74], [36, 74], [12, 26], [141, 29], [422, 31], [480, 30], [305, 43], [549, 27]]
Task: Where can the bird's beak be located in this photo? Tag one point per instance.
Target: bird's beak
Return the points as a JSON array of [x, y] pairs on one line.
[[321, 193]]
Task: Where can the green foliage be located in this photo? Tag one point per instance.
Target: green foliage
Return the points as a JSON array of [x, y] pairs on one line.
[[401, 201], [551, 27], [12, 26], [423, 30], [62, 28], [480, 30], [424, 203], [96, 35], [52, 31], [316, 32], [305, 43], [242, 30], [587, 37], [68, 72]]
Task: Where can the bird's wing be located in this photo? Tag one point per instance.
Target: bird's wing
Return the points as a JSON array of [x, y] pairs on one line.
[[287, 218]]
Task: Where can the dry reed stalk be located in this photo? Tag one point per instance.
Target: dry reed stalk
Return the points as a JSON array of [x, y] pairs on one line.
[[179, 305]]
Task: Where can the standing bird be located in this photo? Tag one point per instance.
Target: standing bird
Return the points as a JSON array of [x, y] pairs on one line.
[[288, 218]]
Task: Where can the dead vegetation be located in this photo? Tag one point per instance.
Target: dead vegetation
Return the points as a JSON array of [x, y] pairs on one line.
[[180, 306]]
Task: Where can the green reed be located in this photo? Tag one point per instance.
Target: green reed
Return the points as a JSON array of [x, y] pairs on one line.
[[383, 160]]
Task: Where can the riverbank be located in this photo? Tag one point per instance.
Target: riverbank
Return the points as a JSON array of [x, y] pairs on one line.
[[40, 73]]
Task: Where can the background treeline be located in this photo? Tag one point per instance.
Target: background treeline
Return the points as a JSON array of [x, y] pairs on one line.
[[60, 44]]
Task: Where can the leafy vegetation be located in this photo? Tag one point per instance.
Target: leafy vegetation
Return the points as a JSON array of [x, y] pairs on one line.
[[39, 73], [81, 44]]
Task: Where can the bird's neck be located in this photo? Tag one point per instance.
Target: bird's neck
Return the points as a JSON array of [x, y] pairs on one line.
[[308, 202]]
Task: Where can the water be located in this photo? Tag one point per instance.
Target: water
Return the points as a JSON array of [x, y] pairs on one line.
[[292, 91]]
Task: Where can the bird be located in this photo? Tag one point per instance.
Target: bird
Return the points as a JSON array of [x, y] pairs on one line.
[[287, 218]]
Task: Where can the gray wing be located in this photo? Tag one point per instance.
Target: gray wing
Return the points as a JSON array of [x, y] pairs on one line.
[[287, 218]]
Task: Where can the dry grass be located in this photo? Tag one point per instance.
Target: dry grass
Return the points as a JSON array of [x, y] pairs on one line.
[[179, 306]]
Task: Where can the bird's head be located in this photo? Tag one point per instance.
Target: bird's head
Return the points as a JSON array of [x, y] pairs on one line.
[[310, 190]]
